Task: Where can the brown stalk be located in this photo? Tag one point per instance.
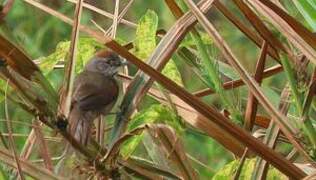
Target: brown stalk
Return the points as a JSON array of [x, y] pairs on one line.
[[69, 77], [298, 27], [141, 172], [6, 8], [104, 13], [214, 117], [115, 18], [243, 28], [121, 15], [24, 66], [11, 139], [272, 134], [17, 59], [43, 146], [265, 33], [299, 36], [252, 103], [28, 145], [237, 83], [146, 166]]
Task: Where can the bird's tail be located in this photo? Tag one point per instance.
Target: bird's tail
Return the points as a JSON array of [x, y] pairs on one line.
[[80, 124]]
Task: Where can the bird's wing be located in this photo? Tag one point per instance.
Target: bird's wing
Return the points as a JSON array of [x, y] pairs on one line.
[[94, 93]]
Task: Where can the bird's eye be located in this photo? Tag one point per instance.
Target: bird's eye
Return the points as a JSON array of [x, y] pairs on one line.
[[114, 62], [102, 66]]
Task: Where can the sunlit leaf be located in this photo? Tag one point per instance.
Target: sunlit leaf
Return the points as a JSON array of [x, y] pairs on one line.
[[145, 41], [172, 72], [87, 47], [229, 170]]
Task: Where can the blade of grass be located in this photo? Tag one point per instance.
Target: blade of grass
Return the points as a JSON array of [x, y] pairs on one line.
[[241, 165], [307, 126], [237, 83], [209, 63], [308, 12]]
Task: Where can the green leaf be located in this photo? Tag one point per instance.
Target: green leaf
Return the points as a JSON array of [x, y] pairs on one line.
[[308, 9], [227, 70], [172, 72], [145, 41], [155, 113], [273, 96], [188, 41], [229, 170], [86, 49], [2, 89]]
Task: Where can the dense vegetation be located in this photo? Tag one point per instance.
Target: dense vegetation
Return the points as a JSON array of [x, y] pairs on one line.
[[243, 68]]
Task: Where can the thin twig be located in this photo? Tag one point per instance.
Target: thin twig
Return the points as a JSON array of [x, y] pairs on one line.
[[11, 139], [70, 66], [115, 19], [5, 10], [43, 146], [104, 13], [121, 15]]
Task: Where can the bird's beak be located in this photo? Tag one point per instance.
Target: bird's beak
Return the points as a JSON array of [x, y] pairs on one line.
[[124, 62]]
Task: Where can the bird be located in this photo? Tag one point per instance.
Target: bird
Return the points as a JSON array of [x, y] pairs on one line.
[[95, 92]]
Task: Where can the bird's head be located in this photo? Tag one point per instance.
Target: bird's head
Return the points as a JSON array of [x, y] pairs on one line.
[[107, 64]]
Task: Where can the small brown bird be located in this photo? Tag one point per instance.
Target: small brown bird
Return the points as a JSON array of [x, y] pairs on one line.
[[95, 92]]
